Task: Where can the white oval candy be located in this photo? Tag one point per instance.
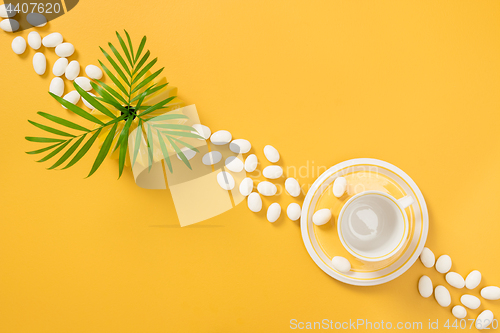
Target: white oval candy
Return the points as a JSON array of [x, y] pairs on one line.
[[65, 50], [52, 40], [202, 130], [84, 83], [455, 280], [341, 264], [442, 296], [484, 320], [246, 186], [267, 189], [234, 164], [425, 286], [292, 187], [491, 293], [36, 20], [322, 216], [93, 72], [251, 163], [73, 70], [273, 172], [4, 13], [225, 180], [273, 212], [470, 301], [443, 264], [240, 146], [87, 104], [18, 45], [211, 158], [9, 25], [39, 63], [293, 211], [60, 66], [221, 137], [427, 257], [339, 186], [459, 311], [57, 86], [271, 154], [73, 97], [254, 202], [473, 279], [34, 40], [188, 153]]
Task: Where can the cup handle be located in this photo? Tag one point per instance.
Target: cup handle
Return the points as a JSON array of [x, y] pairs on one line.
[[405, 201]]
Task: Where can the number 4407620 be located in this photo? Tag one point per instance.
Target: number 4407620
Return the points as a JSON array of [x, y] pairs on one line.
[[34, 7], [470, 323]]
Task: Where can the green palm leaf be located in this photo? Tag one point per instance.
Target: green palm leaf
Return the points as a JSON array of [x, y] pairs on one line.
[[77, 110], [63, 122], [68, 153], [164, 151], [50, 129], [39, 151], [84, 149], [54, 152], [103, 152]]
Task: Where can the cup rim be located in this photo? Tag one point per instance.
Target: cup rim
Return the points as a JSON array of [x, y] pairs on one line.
[[393, 251]]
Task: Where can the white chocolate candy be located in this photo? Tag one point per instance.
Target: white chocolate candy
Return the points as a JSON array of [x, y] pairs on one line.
[[72, 71], [251, 163], [442, 296], [341, 264], [246, 186], [427, 257], [87, 104], [293, 211], [455, 280], [9, 25], [34, 40], [39, 63], [425, 286], [271, 154], [57, 86], [4, 13], [473, 279], [254, 202], [491, 293], [484, 320], [443, 264], [201, 130], [36, 20], [322, 216], [234, 164], [459, 311], [73, 97], [52, 40], [211, 158], [220, 138], [470, 301], [94, 72], [273, 212], [18, 45], [225, 180], [84, 83], [267, 189], [188, 153], [273, 172], [65, 50], [240, 146], [292, 187], [339, 186], [60, 66]]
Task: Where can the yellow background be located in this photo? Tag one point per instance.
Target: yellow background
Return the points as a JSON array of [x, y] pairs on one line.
[[415, 83]]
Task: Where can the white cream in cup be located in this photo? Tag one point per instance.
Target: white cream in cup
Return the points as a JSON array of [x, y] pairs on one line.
[[373, 225]]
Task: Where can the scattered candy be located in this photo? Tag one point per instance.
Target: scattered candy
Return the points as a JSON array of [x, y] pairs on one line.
[[271, 154], [225, 180], [341, 264], [246, 186], [427, 257], [254, 202], [188, 153], [470, 301], [94, 72], [34, 40], [60, 66], [220, 138], [339, 186], [18, 45], [273, 212], [240, 146], [443, 264], [73, 97], [201, 130], [36, 20], [322, 216], [39, 63], [455, 280], [473, 279], [267, 189], [484, 319], [4, 13], [65, 50], [273, 172], [234, 164], [57, 86], [293, 211], [52, 40], [73, 70], [9, 25], [292, 187], [491, 293], [425, 286], [459, 311], [83, 82], [442, 296], [211, 158], [251, 163]]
